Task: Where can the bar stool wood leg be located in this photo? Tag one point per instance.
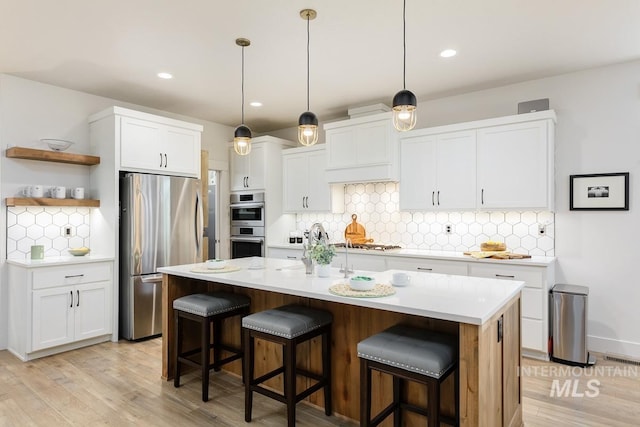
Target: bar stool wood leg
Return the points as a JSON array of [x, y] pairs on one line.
[[176, 351], [289, 351], [365, 394], [217, 343], [205, 338], [398, 391]]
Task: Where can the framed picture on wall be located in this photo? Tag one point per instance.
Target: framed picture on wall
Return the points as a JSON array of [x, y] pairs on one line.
[[599, 192]]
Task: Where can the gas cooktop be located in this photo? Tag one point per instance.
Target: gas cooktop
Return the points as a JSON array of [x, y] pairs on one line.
[[369, 246]]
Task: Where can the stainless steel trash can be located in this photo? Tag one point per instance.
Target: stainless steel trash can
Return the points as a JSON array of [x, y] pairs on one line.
[[569, 316]]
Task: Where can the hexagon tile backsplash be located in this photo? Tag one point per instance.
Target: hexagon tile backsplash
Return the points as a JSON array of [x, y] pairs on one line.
[[27, 226], [377, 207]]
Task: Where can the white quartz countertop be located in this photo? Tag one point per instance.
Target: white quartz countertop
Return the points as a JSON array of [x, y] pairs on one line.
[[427, 254], [463, 299], [59, 260]]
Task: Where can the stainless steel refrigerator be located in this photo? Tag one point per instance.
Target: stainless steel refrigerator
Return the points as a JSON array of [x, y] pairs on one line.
[[161, 224]]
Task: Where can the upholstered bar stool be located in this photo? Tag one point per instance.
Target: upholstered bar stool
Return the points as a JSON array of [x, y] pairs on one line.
[[207, 310], [289, 326], [412, 354]]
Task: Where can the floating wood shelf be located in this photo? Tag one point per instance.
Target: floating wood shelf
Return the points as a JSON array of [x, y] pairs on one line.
[[52, 156], [45, 201]]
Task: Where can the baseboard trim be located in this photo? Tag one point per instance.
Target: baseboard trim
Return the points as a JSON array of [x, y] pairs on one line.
[[624, 349]]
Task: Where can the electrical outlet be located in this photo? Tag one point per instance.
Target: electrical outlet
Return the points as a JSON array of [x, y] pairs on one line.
[[67, 231], [447, 229], [542, 229]]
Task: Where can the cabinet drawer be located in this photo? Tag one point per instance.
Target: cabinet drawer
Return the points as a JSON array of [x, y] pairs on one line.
[[427, 265], [49, 277], [532, 276], [533, 335], [532, 303]]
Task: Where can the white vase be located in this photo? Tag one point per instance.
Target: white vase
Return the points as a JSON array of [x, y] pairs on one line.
[[323, 270]]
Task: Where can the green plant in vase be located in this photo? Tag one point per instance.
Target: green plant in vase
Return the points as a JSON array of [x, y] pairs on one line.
[[323, 254]]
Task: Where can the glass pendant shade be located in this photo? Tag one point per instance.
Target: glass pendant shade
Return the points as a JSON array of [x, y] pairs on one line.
[[404, 110], [242, 140], [308, 128]]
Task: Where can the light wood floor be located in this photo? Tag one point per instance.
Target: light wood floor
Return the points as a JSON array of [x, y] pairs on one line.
[[119, 384]]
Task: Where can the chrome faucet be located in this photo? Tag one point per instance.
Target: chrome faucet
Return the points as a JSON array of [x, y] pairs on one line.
[[346, 270]]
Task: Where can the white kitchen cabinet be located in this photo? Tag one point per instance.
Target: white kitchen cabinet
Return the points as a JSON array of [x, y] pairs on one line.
[[260, 167], [427, 265], [248, 172], [282, 253], [438, 170], [55, 308], [364, 149], [515, 166], [359, 261], [305, 185], [534, 301], [158, 145]]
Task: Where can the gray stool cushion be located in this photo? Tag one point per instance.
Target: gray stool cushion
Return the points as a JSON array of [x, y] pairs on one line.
[[413, 349], [288, 321], [206, 305]]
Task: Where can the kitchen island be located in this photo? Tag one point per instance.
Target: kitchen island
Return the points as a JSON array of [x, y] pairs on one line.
[[483, 313]]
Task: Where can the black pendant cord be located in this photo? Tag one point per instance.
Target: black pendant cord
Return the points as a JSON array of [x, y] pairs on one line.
[[308, 44], [242, 85], [404, 44]]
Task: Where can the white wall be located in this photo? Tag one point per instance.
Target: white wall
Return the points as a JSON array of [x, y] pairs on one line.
[[30, 111], [598, 131]]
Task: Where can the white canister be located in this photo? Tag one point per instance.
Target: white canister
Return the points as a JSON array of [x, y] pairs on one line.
[[78, 193], [58, 192]]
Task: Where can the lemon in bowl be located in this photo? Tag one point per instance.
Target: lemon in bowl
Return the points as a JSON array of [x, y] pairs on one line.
[[362, 283]]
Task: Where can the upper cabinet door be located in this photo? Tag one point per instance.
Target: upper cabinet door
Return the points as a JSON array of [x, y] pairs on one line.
[[295, 179], [183, 151], [418, 173], [141, 145], [456, 171], [515, 166], [319, 190]]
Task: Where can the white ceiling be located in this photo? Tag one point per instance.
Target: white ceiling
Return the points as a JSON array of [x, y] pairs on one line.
[[115, 48]]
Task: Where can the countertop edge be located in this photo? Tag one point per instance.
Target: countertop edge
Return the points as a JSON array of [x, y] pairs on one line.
[[535, 260], [53, 261]]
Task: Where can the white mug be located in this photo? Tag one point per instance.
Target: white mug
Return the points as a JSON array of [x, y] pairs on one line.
[[58, 192], [26, 191], [78, 193], [400, 279], [37, 191]]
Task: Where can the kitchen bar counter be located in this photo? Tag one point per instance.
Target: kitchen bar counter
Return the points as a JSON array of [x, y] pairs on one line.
[[484, 313]]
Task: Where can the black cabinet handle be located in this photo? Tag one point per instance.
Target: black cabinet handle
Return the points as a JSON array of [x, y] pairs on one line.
[[73, 275], [424, 269], [78, 302], [165, 160], [71, 293], [438, 197], [160, 159], [482, 197], [507, 276], [433, 194], [291, 257]]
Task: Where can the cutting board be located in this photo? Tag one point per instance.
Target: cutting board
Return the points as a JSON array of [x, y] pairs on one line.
[[356, 232], [496, 255]]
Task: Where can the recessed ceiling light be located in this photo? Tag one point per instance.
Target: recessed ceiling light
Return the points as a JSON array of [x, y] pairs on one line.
[[255, 104], [448, 53], [165, 76]]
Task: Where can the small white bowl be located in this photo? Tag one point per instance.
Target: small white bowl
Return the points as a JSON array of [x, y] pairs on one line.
[[362, 283], [216, 264], [79, 251], [57, 144]]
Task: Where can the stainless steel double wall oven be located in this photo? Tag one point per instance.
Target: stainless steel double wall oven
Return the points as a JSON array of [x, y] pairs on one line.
[[247, 225]]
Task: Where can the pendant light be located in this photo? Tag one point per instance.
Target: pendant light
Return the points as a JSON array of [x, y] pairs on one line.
[[404, 102], [242, 134], [308, 122]]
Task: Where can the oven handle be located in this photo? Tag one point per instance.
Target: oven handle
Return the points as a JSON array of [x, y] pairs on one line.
[[248, 239], [247, 205]]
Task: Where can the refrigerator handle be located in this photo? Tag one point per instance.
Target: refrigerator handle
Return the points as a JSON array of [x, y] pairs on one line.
[[199, 221]]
